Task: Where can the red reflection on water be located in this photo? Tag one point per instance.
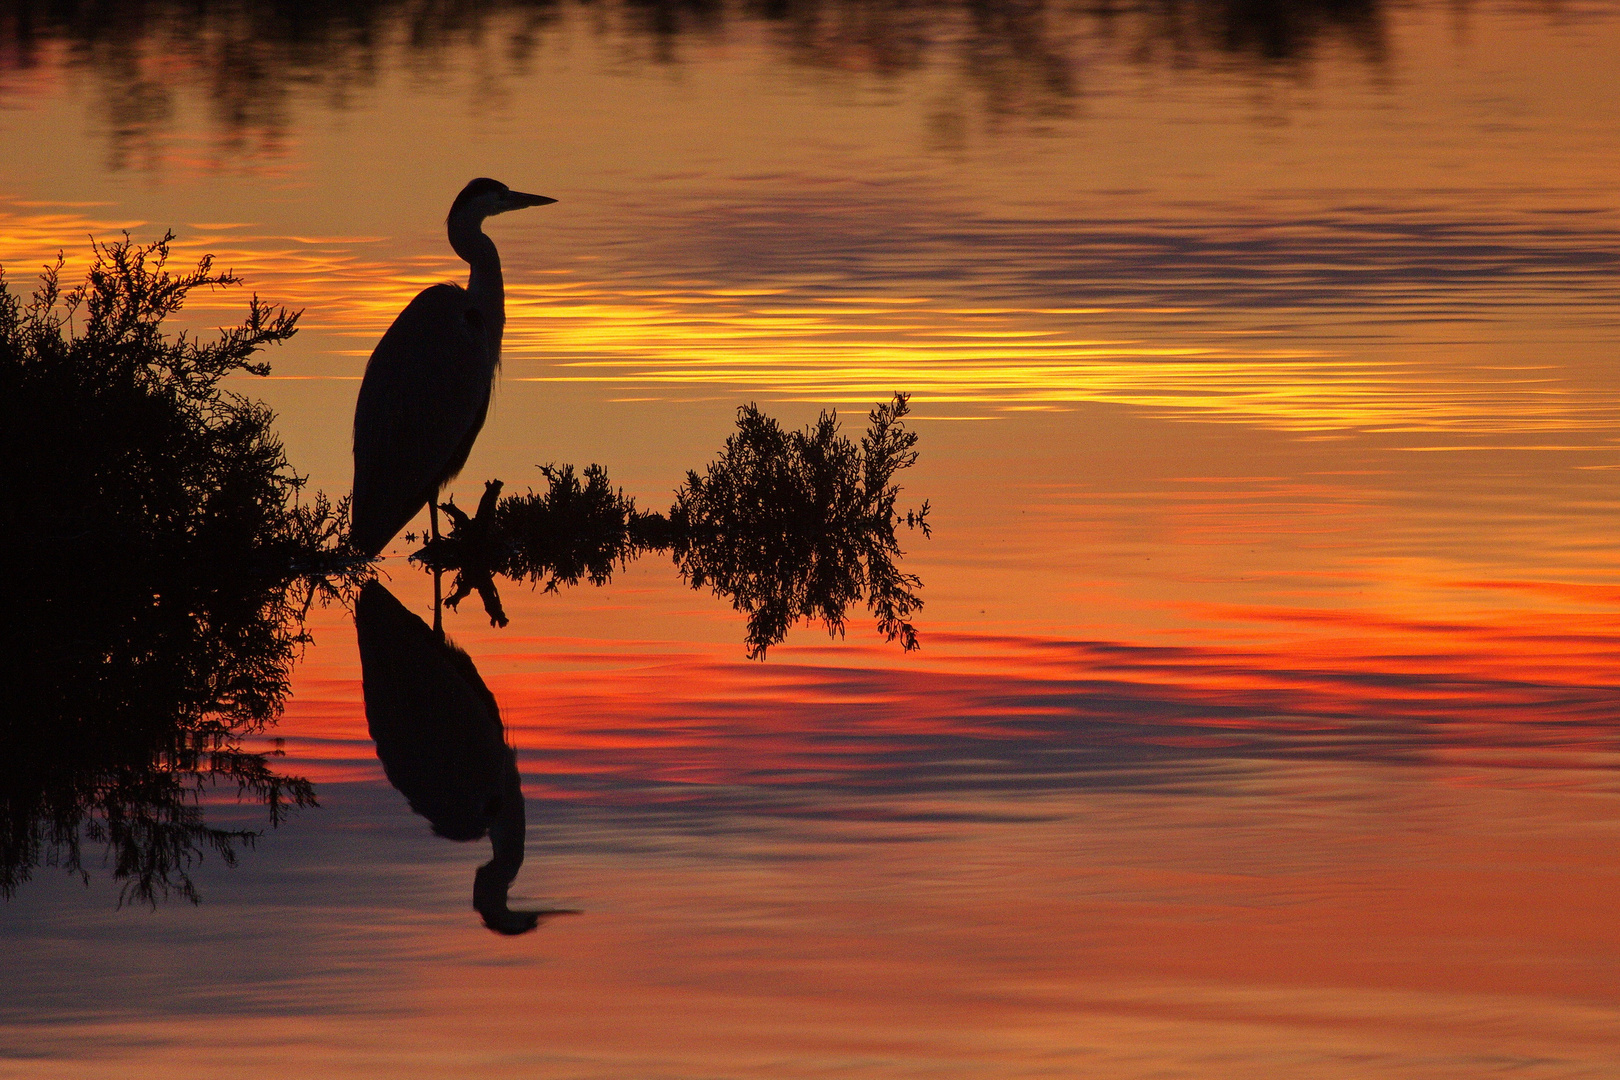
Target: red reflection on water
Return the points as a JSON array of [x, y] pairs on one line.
[[999, 712]]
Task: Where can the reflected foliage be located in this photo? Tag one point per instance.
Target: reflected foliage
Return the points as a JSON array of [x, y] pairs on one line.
[[255, 61], [1264, 31], [248, 60], [788, 526], [164, 559], [126, 704], [574, 530]]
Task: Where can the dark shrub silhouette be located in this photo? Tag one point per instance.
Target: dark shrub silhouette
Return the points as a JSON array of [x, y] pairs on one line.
[[159, 542], [799, 525], [786, 525]]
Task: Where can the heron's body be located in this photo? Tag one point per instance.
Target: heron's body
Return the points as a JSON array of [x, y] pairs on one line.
[[423, 400], [427, 386]]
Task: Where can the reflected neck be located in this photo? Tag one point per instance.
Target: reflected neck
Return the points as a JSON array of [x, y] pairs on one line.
[[494, 878]]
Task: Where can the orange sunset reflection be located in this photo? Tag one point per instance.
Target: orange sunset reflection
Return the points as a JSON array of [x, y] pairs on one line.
[[796, 341]]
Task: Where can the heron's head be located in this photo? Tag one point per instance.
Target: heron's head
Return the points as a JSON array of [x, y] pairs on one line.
[[484, 197]]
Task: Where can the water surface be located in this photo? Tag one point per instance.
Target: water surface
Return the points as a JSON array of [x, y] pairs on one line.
[[1263, 723]]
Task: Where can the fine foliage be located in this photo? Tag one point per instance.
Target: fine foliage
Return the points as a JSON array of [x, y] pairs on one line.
[[786, 525], [568, 532], [160, 534], [134, 452], [572, 530], [799, 525]]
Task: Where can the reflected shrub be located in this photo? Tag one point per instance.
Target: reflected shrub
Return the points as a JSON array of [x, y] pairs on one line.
[[569, 532], [574, 529], [1267, 32]]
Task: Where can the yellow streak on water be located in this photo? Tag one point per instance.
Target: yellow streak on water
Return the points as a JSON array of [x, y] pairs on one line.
[[789, 344]]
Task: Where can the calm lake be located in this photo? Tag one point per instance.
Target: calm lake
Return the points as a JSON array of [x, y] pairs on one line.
[[1266, 715]]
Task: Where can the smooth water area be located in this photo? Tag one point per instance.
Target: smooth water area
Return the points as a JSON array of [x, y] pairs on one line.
[[1263, 361]]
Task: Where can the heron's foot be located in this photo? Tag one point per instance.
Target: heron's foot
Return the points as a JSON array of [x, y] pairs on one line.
[[492, 603]]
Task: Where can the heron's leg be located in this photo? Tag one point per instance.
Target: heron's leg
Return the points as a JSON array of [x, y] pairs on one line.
[[433, 515], [438, 604]]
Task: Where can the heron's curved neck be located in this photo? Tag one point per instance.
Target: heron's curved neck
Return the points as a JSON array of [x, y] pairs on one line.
[[485, 282]]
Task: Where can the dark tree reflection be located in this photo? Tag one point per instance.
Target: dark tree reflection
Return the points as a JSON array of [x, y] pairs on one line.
[[788, 526], [254, 61], [1264, 32], [128, 697], [160, 556]]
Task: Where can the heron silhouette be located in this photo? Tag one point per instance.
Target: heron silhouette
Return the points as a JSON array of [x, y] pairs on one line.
[[427, 385]]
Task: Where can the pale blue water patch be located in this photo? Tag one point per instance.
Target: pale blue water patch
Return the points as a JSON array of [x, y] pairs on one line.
[[309, 922]]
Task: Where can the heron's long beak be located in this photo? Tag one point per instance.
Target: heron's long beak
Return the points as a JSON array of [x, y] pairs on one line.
[[517, 200]]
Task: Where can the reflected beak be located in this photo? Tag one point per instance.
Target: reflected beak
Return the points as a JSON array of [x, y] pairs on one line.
[[517, 200]]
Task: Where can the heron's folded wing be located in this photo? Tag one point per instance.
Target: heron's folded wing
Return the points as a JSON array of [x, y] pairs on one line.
[[424, 396]]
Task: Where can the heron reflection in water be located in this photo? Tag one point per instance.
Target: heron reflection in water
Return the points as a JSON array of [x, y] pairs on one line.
[[440, 738], [427, 385]]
